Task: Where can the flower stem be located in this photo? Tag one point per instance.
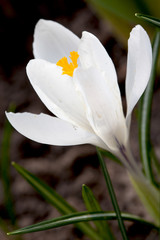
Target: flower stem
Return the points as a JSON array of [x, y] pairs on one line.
[[112, 195]]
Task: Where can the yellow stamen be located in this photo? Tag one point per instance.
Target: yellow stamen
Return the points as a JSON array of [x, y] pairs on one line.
[[68, 68]]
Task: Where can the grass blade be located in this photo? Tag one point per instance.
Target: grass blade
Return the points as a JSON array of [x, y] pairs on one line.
[[150, 19], [80, 217], [112, 196], [92, 206], [55, 199]]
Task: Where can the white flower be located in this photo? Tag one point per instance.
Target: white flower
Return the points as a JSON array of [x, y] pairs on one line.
[[83, 94]]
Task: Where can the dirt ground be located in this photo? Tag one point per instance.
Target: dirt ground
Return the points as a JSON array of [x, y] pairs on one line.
[[63, 168]]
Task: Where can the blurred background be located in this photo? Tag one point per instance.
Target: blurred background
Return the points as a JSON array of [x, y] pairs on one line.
[[64, 168]]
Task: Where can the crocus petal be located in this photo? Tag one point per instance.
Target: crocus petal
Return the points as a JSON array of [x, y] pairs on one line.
[[138, 67], [52, 41], [49, 130], [93, 54], [104, 109], [57, 91]]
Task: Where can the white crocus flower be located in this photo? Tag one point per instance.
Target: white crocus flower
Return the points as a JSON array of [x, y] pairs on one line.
[[83, 94], [85, 97]]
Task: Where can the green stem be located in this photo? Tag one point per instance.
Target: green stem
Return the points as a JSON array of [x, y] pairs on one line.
[[112, 195]]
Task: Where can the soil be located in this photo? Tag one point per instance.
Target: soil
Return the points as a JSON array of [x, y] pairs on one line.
[[63, 168]]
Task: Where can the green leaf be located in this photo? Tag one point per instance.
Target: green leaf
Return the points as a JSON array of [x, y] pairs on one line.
[[150, 19], [93, 206], [112, 195], [55, 199], [45, 191], [5, 168], [149, 195], [80, 217], [145, 115]]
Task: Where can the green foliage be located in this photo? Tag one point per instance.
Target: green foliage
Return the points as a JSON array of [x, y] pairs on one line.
[[92, 205], [112, 195], [149, 196], [55, 199], [80, 217], [150, 19]]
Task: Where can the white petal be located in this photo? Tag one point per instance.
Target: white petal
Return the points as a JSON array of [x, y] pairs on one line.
[[104, 108], [49, 130], [52, 41], [57, 91], [138, 67], [93, 54]]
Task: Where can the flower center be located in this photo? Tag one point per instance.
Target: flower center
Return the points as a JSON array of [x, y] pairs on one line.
[[68, 68]]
